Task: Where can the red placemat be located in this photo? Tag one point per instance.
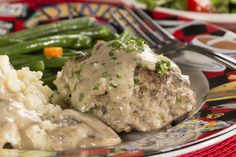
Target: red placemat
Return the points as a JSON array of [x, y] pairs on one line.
[[227, 148]]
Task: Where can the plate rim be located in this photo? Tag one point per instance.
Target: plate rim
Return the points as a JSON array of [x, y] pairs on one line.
[[226, 134]]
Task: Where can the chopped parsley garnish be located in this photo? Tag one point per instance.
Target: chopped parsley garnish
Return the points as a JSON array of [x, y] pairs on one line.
[[81, 97], [114, 58], [140, 42], [105, 74], [118, 76], [116, 44], [162, 66], [136, 81], [94, 62], [151, 4], [135, 44], [129, 45], [103, 63], [96, 87], [143, 66], [111, 53], [77, 73], [113, 85], [179, 101], [67, 100], [130, 49]]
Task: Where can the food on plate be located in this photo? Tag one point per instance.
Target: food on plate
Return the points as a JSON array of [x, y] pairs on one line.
[[222, 92], [29, 121], [46, 47], [53, 52], [119, 84], [218, 6], [68, 41], [46, 30], [127, 86], [216, 42]]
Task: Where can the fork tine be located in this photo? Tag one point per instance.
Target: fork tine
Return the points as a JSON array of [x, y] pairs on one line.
[[166, 35], [116, 21], [227, 60], [149, 31], [226, 63], [137, 30]]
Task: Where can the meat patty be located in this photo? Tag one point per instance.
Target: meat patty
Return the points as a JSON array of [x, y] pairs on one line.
[[127, 86], [158, 101]]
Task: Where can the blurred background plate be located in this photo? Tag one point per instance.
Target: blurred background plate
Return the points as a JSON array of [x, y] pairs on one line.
[[225, 20]]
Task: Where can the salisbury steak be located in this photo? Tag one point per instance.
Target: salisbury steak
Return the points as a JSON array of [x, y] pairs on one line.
[[127, 86]]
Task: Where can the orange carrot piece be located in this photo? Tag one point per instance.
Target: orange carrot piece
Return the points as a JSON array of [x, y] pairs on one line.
[[54, 52]]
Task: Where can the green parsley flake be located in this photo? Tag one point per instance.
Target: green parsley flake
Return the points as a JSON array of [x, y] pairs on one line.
[[113, 85], [81, 97], [135, 44], [77, 73], [129, 45], [116, 44], [118, 76], [162, 66], [179, 101], [105, 74], [111, 53], [96, 87], [94, 63], [136, 81], [151, 4], [140, 42], [114, 58]]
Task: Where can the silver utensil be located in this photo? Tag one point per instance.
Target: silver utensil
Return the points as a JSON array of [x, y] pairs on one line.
[[161, 40]]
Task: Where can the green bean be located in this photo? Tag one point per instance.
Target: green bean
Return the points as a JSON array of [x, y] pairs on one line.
[[94, 33], [50, 29], [24, 59], [72, 52], [33, 65], [49, 62], [82, 43], [5, 42], [48, 80], [49, 72], [70, 41], [55, 62], [35, 45], [111, 36]]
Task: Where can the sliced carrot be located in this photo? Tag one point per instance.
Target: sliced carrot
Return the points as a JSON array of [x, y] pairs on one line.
[[99, 41], [54, 52]]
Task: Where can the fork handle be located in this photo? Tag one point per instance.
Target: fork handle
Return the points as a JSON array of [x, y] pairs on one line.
[[226, 60]]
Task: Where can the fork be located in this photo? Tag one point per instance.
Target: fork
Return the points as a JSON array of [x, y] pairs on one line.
[[161, 40]]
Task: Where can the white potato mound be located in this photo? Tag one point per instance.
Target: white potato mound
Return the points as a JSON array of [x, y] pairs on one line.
[[26, 84], [29, 121]]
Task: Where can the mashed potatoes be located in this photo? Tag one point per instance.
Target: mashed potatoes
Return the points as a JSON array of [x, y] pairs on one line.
[[26, 86], [29, 121]]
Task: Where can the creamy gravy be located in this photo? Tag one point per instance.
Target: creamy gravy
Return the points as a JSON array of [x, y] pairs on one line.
[[108, 71], [24, 126]]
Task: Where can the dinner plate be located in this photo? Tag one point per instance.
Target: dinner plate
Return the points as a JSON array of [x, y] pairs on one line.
[[225, 20], [214, 85]]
